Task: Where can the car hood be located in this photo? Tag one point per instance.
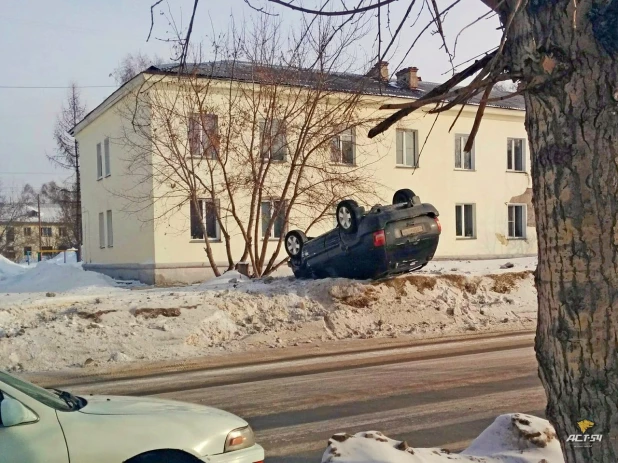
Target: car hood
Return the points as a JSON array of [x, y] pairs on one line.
[[120, 405]]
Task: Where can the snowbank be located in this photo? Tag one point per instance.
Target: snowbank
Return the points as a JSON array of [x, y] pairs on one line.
[[512, 438], [92, 322], [49, 276], [8, 268]]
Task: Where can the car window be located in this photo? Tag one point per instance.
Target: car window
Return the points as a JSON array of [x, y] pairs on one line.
[[37, 393]]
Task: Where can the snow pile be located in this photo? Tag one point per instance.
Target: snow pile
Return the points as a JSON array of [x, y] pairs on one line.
[[51, 277], [97, 321], [8, 268], [71, 258], [228, 278], [512, 438]]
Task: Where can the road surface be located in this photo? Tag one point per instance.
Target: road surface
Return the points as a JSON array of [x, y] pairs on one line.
[[436, 395]]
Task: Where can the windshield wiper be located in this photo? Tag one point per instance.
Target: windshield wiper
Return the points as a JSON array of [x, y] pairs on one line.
[[71, 400]]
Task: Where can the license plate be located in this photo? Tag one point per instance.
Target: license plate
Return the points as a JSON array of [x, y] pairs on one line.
[[412, 230]]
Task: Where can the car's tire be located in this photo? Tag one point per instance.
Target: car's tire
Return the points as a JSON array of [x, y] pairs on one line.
[[348, 215], [403, 196], [164, 456], [294, 242]]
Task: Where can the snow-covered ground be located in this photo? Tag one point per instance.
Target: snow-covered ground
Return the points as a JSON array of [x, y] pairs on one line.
[[512, 438], [56, 316]]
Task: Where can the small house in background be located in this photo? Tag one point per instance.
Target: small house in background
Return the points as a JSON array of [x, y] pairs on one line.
[[20, 228]]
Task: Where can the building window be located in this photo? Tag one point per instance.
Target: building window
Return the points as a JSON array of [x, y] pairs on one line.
[[62, 232], [517, 220], [278, 227], [407, 148], [463, 161], [343, 149], [46, 232], [27, 231], [108, 167], [205, 219], [515, 157], [465, 221], [99, 162], [101, 230], [27, 251], [110, 230], [204, 135], [273, 142], [10, 235]]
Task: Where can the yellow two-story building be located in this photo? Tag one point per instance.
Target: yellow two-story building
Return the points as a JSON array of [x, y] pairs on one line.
[[146, 217]]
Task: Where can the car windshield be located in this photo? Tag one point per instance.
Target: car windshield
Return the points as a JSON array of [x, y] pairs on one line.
[[59, 400]]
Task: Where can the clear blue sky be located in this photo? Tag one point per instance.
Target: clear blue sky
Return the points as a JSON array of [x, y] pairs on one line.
[[51, 43]]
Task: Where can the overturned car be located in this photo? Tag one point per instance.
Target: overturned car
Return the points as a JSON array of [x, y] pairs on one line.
[[384, 241]]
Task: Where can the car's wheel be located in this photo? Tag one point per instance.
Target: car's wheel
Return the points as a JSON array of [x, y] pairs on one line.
[[164, 456], [347, 215], [294, 242], [404, 195]]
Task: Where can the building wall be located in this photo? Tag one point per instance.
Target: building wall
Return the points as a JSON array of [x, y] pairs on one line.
[[124, 192], [16, 249], [158, 243]]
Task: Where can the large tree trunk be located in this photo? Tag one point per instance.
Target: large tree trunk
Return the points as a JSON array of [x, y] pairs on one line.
[[572, 123]]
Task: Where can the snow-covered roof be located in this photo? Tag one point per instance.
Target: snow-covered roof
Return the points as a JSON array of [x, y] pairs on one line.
[[345, 82], [50, 213]]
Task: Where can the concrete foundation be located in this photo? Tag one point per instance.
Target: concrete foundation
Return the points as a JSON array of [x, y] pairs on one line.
[[190, 273]]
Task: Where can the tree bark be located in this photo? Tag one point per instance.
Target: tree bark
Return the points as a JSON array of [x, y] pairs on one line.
[[572, 124]]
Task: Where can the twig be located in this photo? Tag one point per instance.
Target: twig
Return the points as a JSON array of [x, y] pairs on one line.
[[260, 10], [435, 95], [456, 118], [477, 119], [185, 45], [152, 18], [490, 12], [405, 17], [420, 34], [332, 13], [438, 22]]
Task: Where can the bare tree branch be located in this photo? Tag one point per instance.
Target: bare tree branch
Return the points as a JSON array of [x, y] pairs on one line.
[[332, 13]]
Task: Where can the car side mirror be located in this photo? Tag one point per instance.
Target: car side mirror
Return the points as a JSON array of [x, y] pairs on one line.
[[13, 412]]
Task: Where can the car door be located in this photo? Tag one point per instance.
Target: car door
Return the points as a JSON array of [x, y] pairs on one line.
[[41, 441]]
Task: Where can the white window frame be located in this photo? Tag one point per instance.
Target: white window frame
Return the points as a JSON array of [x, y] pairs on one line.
[[272, 202], [99, 161], [337, 147], [510, 154], [402, 133], [266, 145], [108, 167], [460, 142], [463, 236], [524, 218], [101, 230], [204, 202], [110, 229]]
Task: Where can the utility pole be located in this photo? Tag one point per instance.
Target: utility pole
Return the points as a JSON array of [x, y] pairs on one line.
[[38, 201]]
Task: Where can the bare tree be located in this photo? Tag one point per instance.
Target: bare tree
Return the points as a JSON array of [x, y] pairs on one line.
[[11, 212], [254, 140], [563, 53], [67, 156], [132, 64]]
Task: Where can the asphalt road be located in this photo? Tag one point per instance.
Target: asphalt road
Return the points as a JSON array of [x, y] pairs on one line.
[[437, 395]]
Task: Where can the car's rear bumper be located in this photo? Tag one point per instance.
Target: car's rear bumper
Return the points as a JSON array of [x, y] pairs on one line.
[[250, 455]]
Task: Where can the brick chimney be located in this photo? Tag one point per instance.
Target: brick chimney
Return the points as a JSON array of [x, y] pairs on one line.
[[408, 78], [379, 71]]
